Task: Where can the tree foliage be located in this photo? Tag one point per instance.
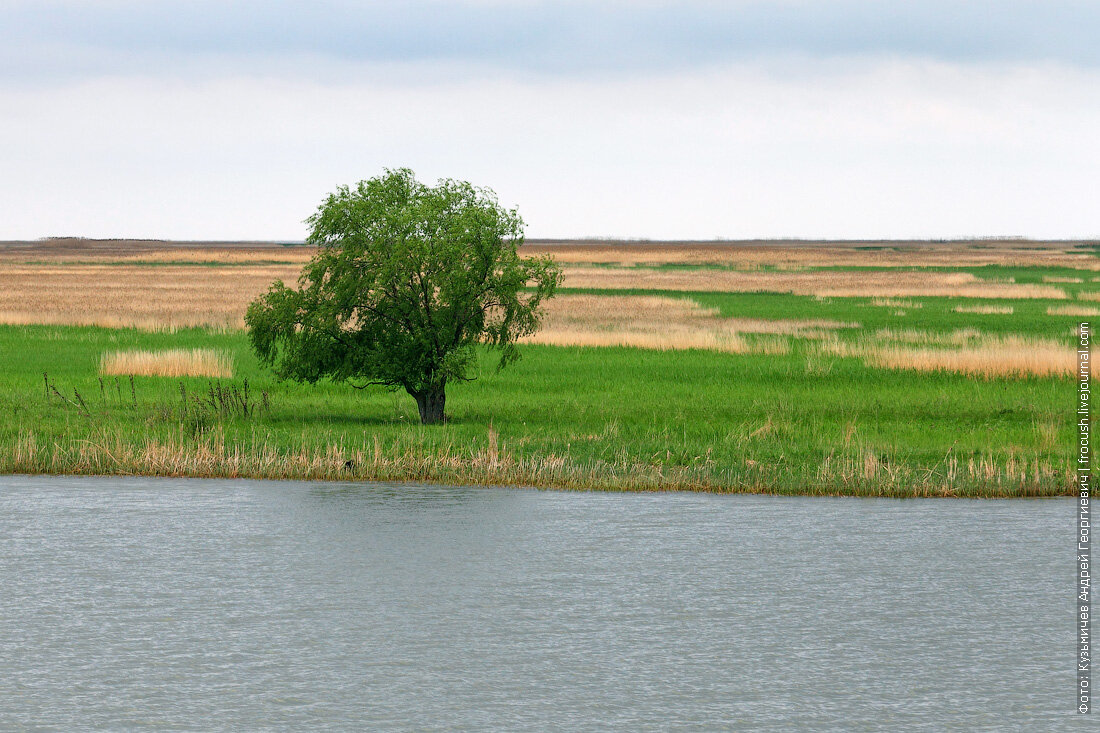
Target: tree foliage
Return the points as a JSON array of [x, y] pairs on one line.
[[408, 279]]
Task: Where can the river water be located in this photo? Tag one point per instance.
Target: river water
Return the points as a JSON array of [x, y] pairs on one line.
[[197, 604]]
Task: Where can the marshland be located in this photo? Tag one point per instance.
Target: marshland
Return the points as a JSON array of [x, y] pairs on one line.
[[861, 368]]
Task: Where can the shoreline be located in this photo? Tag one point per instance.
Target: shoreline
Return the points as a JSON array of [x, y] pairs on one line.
[[216, 460], [401, 483]]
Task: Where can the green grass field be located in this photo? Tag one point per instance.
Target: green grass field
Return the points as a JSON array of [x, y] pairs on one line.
[[572, 417]]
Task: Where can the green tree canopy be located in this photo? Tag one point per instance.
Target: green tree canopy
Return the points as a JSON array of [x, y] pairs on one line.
[[407, 280]]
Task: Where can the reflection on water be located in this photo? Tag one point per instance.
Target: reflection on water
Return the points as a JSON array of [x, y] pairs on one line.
[[130, 603]]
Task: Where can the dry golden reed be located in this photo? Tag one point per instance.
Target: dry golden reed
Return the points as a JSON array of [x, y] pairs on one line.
[[85, 282], [987, 356], [169, 363], [80, 251], [1060, 279], [982, 361], [661, 322], [885, 284], [149, 297], [1088, 295], [794, 255], [791, 254], [984, 309], [265, 256], [1073, 310], [856, 471]]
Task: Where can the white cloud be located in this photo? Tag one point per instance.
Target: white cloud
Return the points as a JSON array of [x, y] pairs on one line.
[[855, 148]]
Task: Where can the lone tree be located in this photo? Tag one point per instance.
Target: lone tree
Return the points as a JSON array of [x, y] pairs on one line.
[[407, 280]]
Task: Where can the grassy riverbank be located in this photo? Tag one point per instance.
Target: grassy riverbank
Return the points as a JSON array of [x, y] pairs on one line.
[[564, 416], [915, 370]]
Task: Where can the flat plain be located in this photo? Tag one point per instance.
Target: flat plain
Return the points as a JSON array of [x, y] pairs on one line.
[[871, 368]]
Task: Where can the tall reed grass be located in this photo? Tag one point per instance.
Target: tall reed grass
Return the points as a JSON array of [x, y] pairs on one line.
[[169, 363], [859, 471], [1073, 310], [986, 356], [839, 283]]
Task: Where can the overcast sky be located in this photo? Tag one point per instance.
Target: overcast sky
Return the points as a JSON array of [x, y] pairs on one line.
[[810, 118]]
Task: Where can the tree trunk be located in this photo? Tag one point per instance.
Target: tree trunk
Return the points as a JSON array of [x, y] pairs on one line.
[[430, 403]]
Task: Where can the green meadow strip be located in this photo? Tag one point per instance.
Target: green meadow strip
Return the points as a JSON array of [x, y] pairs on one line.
[[575, 418]]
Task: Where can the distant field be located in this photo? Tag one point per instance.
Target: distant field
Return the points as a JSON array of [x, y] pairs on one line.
[[867, 368]]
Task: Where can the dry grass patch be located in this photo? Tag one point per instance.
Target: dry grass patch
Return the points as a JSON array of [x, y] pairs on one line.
[[116, 292], [742, 254], [170, 363], [660, 322], [1088, 295], [69, 250], [985, 361], [883, 284], [793, 254], [166, 321], [134, 296], [675, 338], [1060, 279], [235, 256], [1072, 310], [987, 356], [1003, 310]]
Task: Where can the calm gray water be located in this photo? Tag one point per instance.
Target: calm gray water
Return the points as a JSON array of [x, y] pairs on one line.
[[158, 603]]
